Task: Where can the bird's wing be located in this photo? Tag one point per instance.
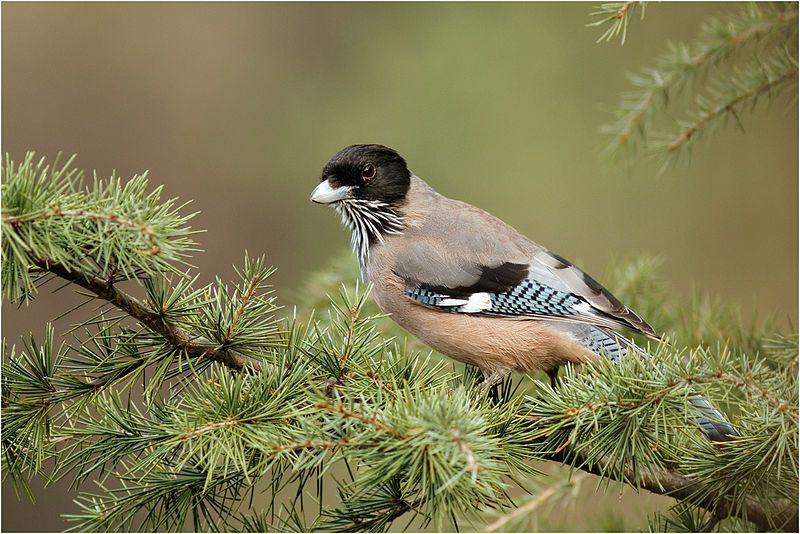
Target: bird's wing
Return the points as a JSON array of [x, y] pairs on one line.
[[522, 284]]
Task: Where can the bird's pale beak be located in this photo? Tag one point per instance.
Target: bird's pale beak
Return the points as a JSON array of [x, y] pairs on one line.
[[325, 194]]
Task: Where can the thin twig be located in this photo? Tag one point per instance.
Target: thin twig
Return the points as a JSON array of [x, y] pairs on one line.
[[243, 300], [472, 462], [715, 377], [349, 414], [350, 334], [308, 444], [745, 384], [530, 505], [404, 507], [688, 132], [199, 431]]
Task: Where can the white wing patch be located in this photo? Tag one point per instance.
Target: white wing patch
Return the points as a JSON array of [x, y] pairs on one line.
[[477, 302], [582, 307], [452, 302]]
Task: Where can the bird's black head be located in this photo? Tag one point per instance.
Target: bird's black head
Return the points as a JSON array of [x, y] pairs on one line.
[[364, 172], [367, 185]]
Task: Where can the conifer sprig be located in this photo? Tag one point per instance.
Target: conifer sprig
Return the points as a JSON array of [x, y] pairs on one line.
[[615, 16], [114, 229], [735, 62]]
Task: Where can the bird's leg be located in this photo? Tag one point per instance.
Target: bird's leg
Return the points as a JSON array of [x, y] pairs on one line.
[[553, 374], [492, 379], [492, 382]]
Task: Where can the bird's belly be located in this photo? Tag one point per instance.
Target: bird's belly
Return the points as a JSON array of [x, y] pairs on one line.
[[490, 343]]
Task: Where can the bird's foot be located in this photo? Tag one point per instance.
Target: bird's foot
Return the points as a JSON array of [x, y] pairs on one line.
[[492, 383], [494, 378], [553, 374]]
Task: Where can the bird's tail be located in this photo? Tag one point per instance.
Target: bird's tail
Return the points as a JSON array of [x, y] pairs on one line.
[[608, 342], [712, 422]]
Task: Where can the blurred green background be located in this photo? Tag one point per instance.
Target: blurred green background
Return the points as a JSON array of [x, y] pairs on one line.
[[238, 106]]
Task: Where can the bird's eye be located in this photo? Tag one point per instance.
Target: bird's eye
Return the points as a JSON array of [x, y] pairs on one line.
[[368, 171]]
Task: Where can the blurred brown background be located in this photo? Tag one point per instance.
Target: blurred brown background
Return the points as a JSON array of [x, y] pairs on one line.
[[238, 106]]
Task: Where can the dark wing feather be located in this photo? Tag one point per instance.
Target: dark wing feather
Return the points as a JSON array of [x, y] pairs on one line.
[[497, 279]]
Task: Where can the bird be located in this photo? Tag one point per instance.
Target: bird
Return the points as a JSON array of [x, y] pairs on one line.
[[471, 286]]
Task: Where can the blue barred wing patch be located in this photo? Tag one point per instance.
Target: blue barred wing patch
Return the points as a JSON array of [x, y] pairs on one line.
[[610, 344], [529, 297]]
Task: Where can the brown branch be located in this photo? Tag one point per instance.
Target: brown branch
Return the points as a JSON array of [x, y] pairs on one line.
[[673, 484], [243, 300], [194, 346], [199, 431], [350, 334], [622, 11], [371, 421]]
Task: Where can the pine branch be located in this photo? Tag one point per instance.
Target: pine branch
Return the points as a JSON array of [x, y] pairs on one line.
[[754, 32], [667, 482], [114, 231], [145, 229], [194, 346], [743, 478], [748, 90], [113, 228]]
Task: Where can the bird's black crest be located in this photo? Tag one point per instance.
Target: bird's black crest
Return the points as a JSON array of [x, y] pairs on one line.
[[392, 177]]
